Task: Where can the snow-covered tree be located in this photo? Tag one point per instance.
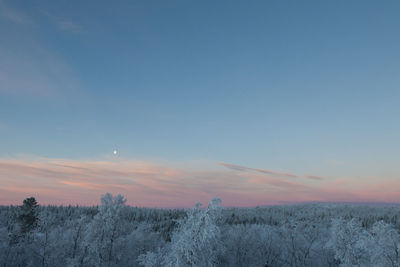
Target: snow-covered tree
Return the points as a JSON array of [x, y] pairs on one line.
[[104, 231], [115, 235], [251, 245], [196, 241], [385, 246], [350, 242]]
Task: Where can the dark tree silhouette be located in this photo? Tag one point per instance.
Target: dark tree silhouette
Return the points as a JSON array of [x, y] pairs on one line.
[[28, 215]]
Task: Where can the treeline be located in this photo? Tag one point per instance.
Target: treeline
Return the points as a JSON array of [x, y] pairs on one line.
[[114, 234]]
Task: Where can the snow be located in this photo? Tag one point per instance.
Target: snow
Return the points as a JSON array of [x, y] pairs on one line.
[[114, 234]]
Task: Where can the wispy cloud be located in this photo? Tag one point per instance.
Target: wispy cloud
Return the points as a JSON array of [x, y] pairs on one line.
[[30, 67], [12, 15], [144, 183], [314, 177], [67, 25], [62, 23], [244, 168], [241, 168], [18, 17], [32, 70]]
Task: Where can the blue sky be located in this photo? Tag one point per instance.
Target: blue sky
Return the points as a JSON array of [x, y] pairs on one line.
[[300, 86]]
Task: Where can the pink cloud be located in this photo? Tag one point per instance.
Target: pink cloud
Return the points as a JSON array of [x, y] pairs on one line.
[[63, 181]]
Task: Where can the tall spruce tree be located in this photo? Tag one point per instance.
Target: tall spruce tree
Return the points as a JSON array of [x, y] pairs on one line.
[[28, 215]]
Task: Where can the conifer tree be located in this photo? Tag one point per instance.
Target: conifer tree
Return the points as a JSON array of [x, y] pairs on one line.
[[28, 215]]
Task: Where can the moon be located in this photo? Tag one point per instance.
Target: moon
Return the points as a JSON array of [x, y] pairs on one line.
[[115, 152]]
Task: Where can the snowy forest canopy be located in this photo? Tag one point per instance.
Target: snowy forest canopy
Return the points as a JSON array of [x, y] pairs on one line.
[[114, 234]]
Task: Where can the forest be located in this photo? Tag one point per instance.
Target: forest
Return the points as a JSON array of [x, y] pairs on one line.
[[114, 234]]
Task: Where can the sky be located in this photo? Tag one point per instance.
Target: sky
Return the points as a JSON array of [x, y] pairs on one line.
[[258, 103]]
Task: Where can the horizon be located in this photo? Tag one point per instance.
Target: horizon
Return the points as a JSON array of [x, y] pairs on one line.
[[203, 206], [171, 103]]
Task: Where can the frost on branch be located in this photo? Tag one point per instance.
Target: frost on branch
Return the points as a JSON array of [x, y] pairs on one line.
[[196, 241], [114, 234]]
